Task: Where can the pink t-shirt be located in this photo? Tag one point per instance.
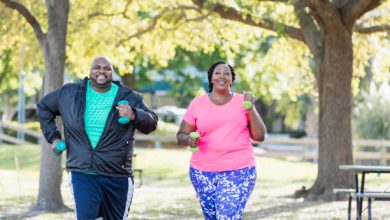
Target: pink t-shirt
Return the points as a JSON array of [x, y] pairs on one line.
[[224, 142]]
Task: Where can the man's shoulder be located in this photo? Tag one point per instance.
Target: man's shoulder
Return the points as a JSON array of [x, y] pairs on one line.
[[73, 85], [133, 94]]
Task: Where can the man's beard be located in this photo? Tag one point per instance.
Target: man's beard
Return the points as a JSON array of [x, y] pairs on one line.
[[101, 85]]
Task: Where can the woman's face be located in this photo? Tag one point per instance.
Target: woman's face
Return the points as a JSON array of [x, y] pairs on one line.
[[222, 77]]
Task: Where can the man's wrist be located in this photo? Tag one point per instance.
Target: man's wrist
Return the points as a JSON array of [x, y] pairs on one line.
[[133, 116]]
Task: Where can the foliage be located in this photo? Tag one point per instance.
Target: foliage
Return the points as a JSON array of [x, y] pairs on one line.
[[20, 54], [372, 118], [166, 128], [171, 35], [188, 73], [372, 51], [142, 34]]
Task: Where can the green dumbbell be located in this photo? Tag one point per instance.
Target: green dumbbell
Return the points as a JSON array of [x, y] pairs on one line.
[[194, 135], [60, 146], [247, 105], [123, 120]]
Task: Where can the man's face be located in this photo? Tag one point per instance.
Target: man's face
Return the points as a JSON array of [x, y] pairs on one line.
[[101, 73]]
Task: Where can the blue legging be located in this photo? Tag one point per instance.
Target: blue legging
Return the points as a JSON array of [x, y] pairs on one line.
[[223, 195]]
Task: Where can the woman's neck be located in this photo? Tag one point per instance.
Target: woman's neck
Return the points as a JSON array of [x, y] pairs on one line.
[[220, 98]]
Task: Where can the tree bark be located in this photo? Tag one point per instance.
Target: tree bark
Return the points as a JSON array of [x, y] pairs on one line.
[[53, 48], [129, 80], [335, 103]]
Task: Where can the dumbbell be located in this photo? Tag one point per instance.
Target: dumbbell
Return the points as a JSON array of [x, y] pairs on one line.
[[123, 120], [247, 105], [60, 146], [194, 135]]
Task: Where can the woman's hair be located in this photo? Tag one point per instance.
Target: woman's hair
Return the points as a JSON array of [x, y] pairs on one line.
[[211, 70]]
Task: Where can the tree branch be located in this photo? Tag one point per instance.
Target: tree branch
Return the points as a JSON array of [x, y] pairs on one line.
[[327, 12], [123, 13], [29, 18], [140, 32], [155, 19], [230, 13], [354, 9], [282, 1], [311, 32], [372, 29]]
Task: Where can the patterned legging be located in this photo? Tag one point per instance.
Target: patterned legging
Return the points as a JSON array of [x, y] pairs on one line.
[[223, 195]]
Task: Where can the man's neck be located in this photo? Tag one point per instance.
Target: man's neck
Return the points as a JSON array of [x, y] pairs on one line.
[[100, 88]]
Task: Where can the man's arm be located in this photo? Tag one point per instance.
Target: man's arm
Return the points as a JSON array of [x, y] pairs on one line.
[[145, 119], [47, 110]]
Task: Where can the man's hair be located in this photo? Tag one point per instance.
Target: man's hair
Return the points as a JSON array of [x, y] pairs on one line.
[[103, 58], [211, 70]]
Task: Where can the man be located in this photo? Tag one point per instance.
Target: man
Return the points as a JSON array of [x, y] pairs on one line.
[[99, 146]]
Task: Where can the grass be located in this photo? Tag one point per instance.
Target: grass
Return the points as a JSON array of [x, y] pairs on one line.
[[28, 157], [167, 192], [167, 165], [173, 165]]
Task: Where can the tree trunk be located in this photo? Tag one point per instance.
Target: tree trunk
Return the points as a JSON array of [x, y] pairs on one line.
[[53, 47], [335, 100], [128, 80]]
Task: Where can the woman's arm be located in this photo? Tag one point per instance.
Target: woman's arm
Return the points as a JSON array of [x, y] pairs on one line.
[[183, 137], [256, 125]]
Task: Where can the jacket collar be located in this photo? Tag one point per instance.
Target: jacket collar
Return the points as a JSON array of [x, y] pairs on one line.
[[117, 82]]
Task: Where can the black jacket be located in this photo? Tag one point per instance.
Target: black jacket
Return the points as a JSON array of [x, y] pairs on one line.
[[114, 151]]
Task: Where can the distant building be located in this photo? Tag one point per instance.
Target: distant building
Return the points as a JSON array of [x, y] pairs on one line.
[[156, 94]]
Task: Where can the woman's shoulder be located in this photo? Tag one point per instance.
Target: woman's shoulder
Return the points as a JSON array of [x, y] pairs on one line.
[[200, 99], [238, 96]]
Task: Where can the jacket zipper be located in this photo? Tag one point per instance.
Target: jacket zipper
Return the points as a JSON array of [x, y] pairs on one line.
[[120, 94]]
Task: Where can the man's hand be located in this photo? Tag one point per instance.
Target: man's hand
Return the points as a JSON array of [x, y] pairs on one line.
[[58, 147], [125, 111]]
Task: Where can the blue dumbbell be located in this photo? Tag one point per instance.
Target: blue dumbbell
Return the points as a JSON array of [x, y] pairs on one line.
[[123, 120], [60, 146]]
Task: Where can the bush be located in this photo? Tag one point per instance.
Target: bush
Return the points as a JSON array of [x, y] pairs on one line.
[[372, 117]]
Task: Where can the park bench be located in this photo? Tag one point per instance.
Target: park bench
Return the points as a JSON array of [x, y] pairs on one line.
[[350, 193], [369, 195], [384, 196]]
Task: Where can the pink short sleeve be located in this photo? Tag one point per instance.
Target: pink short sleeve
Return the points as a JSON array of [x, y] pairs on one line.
[[189, 115]]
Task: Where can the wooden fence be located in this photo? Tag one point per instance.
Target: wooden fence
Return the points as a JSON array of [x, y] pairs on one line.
[[302, 148]]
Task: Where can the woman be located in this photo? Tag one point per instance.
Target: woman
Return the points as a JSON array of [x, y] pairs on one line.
[[223, 171]]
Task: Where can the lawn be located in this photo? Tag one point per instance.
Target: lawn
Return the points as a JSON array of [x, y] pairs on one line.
[[167, 192]]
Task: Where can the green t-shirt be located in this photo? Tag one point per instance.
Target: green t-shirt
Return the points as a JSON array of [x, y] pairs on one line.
[[98, 106]]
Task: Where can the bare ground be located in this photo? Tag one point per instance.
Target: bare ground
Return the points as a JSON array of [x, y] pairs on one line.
[[173, 198], [174, 203]]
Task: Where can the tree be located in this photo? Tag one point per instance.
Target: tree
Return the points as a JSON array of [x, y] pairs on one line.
[[326, 28], [52, 44], [135, 32]]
